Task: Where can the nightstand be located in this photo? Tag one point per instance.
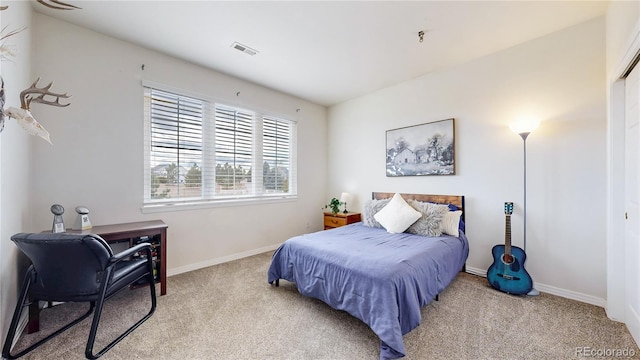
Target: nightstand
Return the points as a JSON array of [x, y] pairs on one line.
[[340, 219]]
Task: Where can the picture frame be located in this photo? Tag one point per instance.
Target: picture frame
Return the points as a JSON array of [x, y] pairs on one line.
[[420, 150]]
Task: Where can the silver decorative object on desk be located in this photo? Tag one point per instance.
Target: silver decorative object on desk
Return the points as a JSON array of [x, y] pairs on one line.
[[58, 222], [82, 220]]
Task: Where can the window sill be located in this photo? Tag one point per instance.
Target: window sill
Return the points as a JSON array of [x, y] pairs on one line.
[[197, 205]]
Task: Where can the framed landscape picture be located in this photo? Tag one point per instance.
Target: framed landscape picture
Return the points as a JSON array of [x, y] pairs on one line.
[[426, 149]]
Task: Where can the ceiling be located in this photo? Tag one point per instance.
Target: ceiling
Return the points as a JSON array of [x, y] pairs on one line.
[[327, 52]]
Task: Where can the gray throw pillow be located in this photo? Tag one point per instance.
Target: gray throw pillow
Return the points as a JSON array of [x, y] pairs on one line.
[[429, 223], [371, 207]]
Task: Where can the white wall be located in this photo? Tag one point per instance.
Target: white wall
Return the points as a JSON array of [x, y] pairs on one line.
[[561, 79], [97, 156], [15, 155]]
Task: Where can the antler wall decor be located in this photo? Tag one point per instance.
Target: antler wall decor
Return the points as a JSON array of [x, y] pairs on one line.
[[2, 104], [6, 51], [33, 94], [56, 4]]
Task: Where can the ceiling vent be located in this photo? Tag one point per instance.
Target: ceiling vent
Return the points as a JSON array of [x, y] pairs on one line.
[[245, 49]]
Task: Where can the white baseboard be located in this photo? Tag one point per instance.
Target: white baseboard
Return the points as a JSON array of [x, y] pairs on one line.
[[220, 260], [568, 294], [476, 271]]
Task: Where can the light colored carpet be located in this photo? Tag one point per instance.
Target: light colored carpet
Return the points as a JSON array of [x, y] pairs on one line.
[[228, 311]]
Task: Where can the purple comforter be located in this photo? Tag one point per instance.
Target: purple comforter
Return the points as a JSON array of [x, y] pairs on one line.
[[380, 278]]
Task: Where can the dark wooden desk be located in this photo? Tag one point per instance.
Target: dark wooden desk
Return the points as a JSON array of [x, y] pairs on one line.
[[116, 233], [119, 233]]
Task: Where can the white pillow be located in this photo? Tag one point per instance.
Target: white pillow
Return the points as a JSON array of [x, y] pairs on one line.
[[397, 215], [450, 223]]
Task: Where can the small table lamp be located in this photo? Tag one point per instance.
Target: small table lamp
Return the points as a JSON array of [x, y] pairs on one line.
[[343, 199]]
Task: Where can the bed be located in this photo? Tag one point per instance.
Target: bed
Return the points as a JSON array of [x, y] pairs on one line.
[[381, 278]]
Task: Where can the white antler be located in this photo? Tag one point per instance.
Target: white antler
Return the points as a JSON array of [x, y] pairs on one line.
[[26, 96], [24, 116]]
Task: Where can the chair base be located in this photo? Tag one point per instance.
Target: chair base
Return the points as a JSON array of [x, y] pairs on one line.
[[23, 302], [96, 319]]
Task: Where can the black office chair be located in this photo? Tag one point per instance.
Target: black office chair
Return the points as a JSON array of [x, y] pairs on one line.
[[78, 268]]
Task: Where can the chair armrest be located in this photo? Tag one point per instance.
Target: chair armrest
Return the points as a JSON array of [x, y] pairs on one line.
[[130, 251]]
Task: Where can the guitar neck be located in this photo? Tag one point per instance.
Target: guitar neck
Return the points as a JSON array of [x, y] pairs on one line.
[[507, 235]]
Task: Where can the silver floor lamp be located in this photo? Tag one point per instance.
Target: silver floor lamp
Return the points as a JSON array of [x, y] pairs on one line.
[[524, 128]]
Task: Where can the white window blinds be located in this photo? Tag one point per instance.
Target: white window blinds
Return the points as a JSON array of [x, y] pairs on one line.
[[176, 146], [200, 151], [276, 152], [234, 151]]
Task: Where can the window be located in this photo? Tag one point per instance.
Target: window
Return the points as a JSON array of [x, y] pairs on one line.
[[234, 150], [276, 145], [197, 151]]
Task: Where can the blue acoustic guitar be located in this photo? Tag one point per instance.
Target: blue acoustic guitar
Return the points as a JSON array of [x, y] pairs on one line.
[[507, 273]]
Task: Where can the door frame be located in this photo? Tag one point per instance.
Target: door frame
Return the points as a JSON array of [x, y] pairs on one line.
[[616, 203]]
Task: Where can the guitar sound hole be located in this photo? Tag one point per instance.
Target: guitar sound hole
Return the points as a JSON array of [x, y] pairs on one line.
[[507, 259]]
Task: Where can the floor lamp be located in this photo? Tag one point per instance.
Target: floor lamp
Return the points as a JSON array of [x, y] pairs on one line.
[[524, 128]]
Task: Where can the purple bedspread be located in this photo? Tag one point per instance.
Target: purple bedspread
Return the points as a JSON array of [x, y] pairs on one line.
[[380, 278]]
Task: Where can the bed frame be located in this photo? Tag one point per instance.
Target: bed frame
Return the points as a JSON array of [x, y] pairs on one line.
[[457, 200]]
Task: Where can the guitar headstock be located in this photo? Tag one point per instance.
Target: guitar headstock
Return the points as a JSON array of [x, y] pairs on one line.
[[508, 208]]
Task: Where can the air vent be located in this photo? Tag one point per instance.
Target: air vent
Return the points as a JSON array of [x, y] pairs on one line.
[[245, 49]]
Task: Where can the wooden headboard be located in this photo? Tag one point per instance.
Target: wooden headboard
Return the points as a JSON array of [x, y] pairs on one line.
[[457, 200]]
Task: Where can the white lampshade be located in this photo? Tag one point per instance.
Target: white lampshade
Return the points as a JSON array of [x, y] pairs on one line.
[[344, 197], [524, 125]]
